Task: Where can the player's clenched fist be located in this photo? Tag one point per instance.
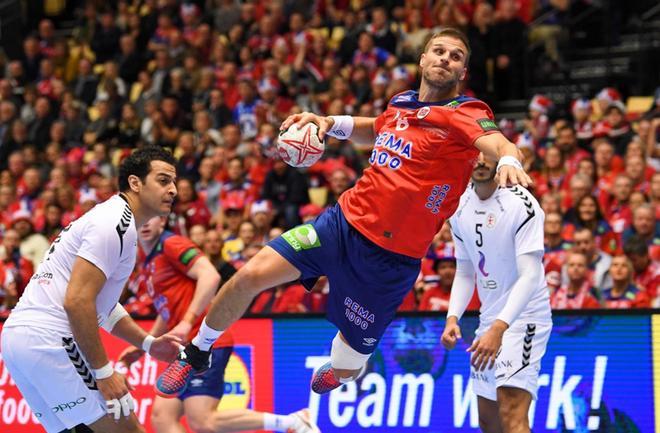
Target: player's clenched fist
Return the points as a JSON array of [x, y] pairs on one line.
[[451, 334]]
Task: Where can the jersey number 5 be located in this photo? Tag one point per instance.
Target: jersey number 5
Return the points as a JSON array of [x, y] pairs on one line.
[[480, 240]]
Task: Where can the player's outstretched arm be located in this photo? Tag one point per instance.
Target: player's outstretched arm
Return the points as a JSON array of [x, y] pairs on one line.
[[509, 168], [207, 280], [360, 130]]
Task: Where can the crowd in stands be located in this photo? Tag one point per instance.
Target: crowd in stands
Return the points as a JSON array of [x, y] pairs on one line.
[[212, 80]]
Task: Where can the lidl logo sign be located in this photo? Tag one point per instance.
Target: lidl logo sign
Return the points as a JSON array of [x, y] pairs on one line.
[[238, 380]]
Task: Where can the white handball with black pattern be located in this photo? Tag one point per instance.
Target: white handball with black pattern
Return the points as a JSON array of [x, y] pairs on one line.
[[300, 147]]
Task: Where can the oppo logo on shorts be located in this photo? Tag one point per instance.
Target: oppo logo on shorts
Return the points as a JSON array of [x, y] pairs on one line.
[[66, 406]]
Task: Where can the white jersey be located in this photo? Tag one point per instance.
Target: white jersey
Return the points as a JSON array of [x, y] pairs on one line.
[[491, 234], [105, 236]]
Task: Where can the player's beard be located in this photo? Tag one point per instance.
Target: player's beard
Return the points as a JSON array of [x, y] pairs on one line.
[[442, 85], [489, 178]]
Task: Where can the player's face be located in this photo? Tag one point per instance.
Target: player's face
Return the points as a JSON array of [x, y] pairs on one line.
[[485, 170], [443, 63], [159, 189], [151, 229]]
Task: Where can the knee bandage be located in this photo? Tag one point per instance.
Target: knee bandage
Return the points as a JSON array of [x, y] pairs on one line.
[[344, 357]]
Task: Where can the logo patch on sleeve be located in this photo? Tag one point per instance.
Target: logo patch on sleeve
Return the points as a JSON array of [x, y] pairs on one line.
[[303, 237], [188, 255], [488, 124]]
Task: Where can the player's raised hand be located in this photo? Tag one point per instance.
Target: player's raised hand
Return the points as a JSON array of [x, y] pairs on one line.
[[130, 355], [302, 119], [451, 334], [509, 175], [166, 347]]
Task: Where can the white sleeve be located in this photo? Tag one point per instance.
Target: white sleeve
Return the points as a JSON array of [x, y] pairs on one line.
[[101, 245], [461, 289], [459, 246], [529, 271], [529, 228]]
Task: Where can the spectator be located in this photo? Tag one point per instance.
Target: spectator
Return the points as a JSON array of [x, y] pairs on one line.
[[286, 188], [233, 248], [646, 271], [207, 187], [618, 129], [619, 211], [437, 288], [556, 246], [261, 216], [197, 234], [105, 41], [480, 36], [189, 209], [577, 293], [566, 141], [588, 215], [647, 228], [623, 293], [380, 29], [13, 261], [598, 262], [233, 208], [213, 244], [508, 52]]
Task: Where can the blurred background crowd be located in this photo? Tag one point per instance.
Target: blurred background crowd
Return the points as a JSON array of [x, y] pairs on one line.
[[82, 83]]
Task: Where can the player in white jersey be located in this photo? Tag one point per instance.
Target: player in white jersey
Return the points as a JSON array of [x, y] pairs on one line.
[[498, 234], [51, 344]]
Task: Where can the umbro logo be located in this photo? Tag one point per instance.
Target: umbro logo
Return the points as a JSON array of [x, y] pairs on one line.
[[369, 341], [196, 382]]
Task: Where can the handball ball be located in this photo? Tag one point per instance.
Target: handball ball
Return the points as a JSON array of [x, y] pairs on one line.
[[300, 147]]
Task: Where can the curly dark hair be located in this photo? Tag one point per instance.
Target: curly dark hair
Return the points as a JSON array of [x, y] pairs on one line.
[[139, 164]]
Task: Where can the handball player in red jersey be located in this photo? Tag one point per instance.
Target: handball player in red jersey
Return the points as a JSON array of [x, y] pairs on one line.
[[369, 245]]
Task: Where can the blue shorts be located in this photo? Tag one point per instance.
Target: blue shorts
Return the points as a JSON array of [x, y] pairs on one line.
[[367, 282], [212, 382]]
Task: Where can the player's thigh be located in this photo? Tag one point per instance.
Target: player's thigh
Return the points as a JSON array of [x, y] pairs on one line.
[[54, 370], [519, 361], [14, 363], [107, 424], [489, 416]]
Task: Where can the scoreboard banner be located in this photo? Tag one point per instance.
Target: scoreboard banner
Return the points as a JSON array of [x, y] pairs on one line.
[[601, 373]]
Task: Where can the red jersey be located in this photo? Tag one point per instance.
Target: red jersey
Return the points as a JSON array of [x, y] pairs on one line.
[[421, 163], [172, 291]]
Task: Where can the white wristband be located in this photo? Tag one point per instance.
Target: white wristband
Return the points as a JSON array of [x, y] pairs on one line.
[[146, 343], [104, 372], [510, 161], [342, 128]]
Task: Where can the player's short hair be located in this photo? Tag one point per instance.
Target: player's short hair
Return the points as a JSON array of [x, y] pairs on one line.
[[452, 33], [635, 246], [139, 164]]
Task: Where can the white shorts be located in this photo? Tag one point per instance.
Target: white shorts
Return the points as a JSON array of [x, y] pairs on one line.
[[53, 377], [518, 363]]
